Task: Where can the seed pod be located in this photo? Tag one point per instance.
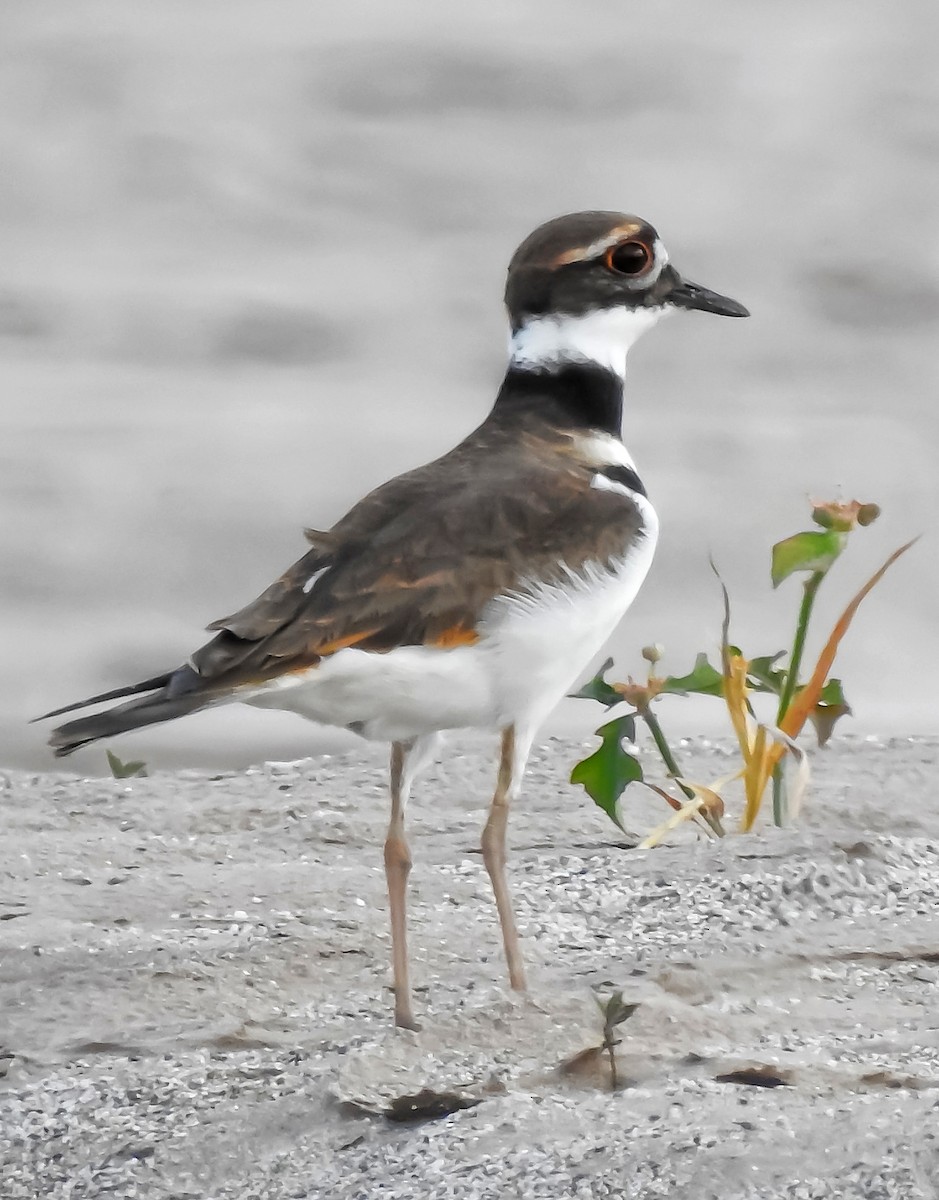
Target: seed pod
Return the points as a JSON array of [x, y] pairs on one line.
[[867, 514]]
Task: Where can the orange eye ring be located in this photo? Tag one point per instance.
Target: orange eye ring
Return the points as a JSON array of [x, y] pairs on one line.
[[629, 258]]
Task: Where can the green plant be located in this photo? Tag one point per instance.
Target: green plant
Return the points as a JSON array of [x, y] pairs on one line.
[[614, 1011], [586, 1064], [126, 770], [607, 772]]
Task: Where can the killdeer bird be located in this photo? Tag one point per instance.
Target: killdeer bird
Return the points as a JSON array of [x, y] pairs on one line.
[[472, 591]]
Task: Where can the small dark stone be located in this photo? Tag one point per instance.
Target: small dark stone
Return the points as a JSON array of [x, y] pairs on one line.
[[427, 1105], [763, 1077]]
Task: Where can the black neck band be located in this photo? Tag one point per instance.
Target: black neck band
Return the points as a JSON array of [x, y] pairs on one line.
[[569, 396]]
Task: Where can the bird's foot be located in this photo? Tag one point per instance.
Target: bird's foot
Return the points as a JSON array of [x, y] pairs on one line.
[[405, 1020]]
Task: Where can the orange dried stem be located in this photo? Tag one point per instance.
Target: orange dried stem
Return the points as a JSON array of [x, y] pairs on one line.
[[805, 701]]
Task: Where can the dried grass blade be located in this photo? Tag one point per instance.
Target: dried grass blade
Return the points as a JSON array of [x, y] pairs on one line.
[[754, 779], [687, 812], [705, 798], [735, 697], [669, 799], [797, 792]]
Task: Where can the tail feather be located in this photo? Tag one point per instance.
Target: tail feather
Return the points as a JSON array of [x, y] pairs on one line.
[[148, 685], [152, 710], [172, 695]]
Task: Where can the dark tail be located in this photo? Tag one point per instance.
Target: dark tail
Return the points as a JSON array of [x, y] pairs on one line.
[[172, 695]]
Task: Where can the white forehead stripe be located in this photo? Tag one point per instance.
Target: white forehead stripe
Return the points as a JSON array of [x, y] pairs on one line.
[[601, 245], [595, 249], [603, 336]]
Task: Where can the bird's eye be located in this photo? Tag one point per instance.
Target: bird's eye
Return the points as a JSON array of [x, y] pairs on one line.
[[629, 258]]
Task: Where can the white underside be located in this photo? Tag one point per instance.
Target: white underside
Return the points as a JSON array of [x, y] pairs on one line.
[[532, 647]]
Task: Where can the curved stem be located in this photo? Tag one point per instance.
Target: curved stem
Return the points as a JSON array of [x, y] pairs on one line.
[[809, 592], [779, 799], [669, 759], [663, 747]]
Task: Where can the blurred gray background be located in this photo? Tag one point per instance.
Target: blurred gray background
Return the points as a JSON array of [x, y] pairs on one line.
[[251, 261]]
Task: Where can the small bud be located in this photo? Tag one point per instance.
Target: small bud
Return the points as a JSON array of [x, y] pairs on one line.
[[867, 514], [654, 653], [843, 516]]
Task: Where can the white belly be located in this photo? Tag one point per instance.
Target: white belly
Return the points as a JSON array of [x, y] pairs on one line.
[[532, 647]]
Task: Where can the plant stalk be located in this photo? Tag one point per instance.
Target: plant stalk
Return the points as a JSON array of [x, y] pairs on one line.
[[609, 1044], [809, 592], [664, 748], [669, 759]]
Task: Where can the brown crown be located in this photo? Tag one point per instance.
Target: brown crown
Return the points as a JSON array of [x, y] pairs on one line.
[[561, 266]]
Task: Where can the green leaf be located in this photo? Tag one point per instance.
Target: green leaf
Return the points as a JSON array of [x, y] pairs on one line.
[[813, 551], [829, 709], [703, 680], [607, 773], [598, 689], [832, 693], [126, 770], [763, 676], [615, 1011]]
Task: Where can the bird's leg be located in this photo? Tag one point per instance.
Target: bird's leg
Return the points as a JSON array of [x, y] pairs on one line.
[[511, 768], [397, 870], [406, 760]]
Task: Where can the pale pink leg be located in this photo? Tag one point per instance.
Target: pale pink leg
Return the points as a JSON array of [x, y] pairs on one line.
[[512, 762], [406, 760]]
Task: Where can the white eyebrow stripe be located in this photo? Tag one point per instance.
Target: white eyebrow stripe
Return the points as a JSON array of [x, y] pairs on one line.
[[624, 233], [595, 249]]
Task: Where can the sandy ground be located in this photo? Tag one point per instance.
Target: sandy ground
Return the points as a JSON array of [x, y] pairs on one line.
[[195, 1004]]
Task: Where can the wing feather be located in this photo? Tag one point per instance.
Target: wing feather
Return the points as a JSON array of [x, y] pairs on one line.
[[418, 560]]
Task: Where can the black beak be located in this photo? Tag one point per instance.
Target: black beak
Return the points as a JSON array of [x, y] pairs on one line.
[[690, 295]]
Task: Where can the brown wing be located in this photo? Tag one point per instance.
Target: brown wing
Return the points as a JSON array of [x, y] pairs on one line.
[[417, 560]]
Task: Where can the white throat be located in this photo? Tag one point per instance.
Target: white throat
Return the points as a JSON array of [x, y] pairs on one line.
[[603, 336]]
